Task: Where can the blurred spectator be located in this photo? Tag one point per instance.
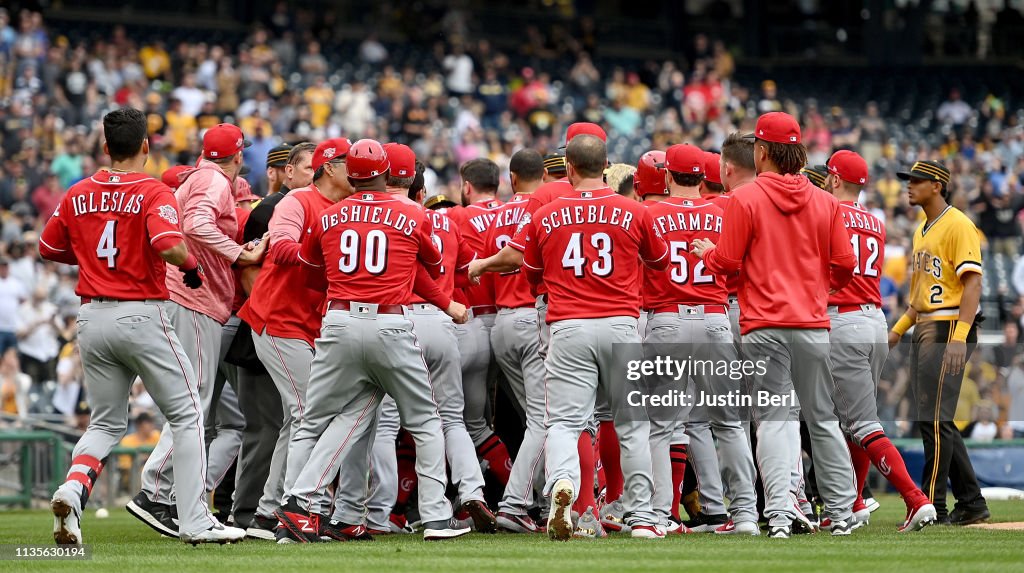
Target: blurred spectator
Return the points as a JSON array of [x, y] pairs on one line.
[[954, 111], [372, 51], [12, 293], [191, 97], [145, 434], [37, 336], [47, 196], [459, 66], [984, 427], [14, 385], [1015, 386]]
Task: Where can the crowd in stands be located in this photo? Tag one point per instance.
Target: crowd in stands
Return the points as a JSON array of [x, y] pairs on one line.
[[457, 100]]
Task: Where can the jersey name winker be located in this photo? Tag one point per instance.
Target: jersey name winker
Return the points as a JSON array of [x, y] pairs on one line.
[[367, 214], [481, 222], [109, 202], [587, 215]]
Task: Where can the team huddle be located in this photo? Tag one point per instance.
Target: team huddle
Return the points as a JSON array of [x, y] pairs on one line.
[[339, 339]]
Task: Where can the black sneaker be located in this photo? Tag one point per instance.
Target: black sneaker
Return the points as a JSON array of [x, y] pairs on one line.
[[968, 516], [159, 516], [262, 528], [302, 526], [704, 523], [338, 531]]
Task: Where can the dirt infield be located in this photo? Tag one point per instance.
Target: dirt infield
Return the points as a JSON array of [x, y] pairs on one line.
[[1007, 526]]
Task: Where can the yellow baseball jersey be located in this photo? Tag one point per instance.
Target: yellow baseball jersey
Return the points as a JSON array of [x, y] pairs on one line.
[[943, 252]]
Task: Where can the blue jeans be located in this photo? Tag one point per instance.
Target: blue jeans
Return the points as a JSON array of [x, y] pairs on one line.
[[7, 340]]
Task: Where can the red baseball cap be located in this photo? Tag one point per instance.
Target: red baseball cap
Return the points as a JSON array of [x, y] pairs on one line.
[[585, 128], [331, 149], [402, 158], [712, 167], [170, 176], [223, 140], [684, 158], [849, 166], [243, 191], [777, 127]]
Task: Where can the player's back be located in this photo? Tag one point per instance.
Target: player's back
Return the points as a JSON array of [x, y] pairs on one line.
[[867, 237], [686, 281], [590, 244], [112, 221], [369, 244]]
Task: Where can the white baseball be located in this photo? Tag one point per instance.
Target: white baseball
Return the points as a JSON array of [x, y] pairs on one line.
[[102, 513]]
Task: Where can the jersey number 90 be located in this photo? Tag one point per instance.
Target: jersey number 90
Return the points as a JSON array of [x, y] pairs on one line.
[[374, 251]]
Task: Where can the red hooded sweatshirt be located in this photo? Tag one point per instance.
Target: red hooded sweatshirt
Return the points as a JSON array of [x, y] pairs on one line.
[[786, 238]]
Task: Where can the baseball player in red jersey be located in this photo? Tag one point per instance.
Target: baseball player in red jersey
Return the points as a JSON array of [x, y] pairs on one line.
[[435, 334], [120, 226], [788, 241], [515, 343], [479, 184], [206, 200], [366, 348], [284, 310], [688, 306], [859, 345], [586, 248]]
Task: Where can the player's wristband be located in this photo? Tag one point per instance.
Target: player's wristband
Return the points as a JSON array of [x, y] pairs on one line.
[[190, 263], [961, 331], [903, 325]]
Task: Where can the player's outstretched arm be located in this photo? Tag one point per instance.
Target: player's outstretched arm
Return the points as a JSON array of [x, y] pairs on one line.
[[179, 256], [506, 260]]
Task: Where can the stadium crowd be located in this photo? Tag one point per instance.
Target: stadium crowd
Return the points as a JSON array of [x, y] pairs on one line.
[[470, 101]]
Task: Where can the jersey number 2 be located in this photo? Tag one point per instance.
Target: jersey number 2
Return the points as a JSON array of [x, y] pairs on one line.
[[107, 248]]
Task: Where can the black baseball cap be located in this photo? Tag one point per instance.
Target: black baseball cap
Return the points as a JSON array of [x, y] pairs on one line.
[[278, 156], [927, 170], [555, 163], [816, 174]]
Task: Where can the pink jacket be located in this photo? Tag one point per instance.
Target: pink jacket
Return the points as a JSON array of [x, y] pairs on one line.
[[209, 223]]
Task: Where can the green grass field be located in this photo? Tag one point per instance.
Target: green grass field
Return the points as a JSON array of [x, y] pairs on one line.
[[120, 544]]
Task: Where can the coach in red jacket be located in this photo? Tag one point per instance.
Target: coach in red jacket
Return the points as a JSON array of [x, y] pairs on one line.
[[787, 240]]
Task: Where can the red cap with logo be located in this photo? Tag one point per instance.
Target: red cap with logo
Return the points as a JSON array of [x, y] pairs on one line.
[[649, 178], [367, 159], [584, 128], [243, 191], [331, 149], [223, 140], [712, 167], [402, 158], [170, 176], [684, 158], [849, 166], [777, 127]]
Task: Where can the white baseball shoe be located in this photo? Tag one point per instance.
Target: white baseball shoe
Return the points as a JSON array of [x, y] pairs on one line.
[[67, 516], [439, 530], [560, 518], [740, 528], [647, 531], [872, 504], [918, 518], [217, 534]]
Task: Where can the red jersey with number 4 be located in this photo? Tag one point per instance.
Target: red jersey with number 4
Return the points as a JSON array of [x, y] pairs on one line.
[[110, 223], [455, 253], [369, 243], [686, 281], [473, 221], [511, 290], [867, 237], [587, 247]]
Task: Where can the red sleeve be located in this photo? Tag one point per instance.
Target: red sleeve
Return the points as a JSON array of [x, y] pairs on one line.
[[533, 265], [727, 256], [285, 252], [55, 242], [428, 253], [162, 220], [843, 260], [427, 288], [653, 249], [311, 252]]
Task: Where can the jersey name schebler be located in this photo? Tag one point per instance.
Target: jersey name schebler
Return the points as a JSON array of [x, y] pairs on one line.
[[587, 215], [369, 214], [107, 202]]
